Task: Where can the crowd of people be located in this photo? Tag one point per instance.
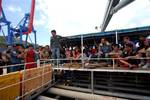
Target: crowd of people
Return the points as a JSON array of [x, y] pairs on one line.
[[18, 54], [128, 54]]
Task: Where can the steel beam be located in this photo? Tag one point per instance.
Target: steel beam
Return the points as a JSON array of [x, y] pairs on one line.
[[80, 95], [130, 96], [107, 17], [44, 98], [112, 7], [121, 4]]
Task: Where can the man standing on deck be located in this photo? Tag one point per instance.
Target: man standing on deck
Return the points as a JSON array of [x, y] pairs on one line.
[[55, 46]]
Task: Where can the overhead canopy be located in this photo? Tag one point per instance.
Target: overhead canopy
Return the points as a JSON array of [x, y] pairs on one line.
[[76, 39]]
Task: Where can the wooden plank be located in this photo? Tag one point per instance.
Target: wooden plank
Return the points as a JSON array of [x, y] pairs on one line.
[[47, 73], [12, 92], [35, 77], [72, 65], [32, 78]]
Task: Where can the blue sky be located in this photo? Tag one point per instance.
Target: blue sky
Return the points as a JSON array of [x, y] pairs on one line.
[[71, 17]]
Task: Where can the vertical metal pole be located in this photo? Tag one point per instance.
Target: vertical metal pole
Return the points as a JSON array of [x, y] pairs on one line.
[[0, 7], [113, 63], [92, 82], [50, 42], [4, 70], [23, 79], [82, 51], [9, 40], [4, 34], [35, 39], [26, 41], [43, 73], [116, 37], [53, 78], [21, 35], [57, 62]]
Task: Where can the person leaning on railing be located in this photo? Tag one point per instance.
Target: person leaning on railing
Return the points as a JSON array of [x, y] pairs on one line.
[[68, 55], [30, 57], [147, 65], [48, 52], [126, 40], [141, 55], [76, 54], [15, 58], [127, 60], [104, 49], [115, 53], [21, 55]]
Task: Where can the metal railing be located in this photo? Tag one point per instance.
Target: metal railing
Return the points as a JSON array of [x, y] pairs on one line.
[[114, 63], [60, 66], [131, 78]]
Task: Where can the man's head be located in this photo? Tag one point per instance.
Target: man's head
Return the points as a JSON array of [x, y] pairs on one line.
[[115, 47], [47, 47], [17, 46], [128, 47], [126, 39], [141, 38], [103, 40], [53, 32], [21, 48], [31, 47]]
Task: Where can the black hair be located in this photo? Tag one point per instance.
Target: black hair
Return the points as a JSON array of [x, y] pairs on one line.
[[126, 37], [18, 45], [129, 45], [116, 45], [53, 31], [21, 45], [30, 45]]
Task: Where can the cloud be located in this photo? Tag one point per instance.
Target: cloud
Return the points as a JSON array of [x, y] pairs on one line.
[[13, 9], [41, 21], [72, 17]]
